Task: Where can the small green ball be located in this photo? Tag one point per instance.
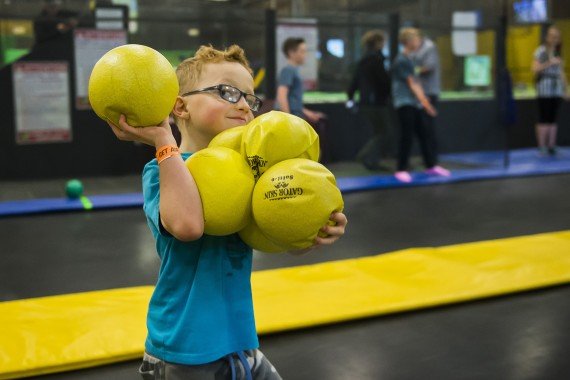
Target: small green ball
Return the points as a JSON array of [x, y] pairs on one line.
[[74, 188]]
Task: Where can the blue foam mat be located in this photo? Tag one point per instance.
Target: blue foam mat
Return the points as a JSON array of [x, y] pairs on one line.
[[487, 165], [46, 205]]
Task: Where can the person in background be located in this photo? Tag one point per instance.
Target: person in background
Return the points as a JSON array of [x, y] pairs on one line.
[[409, 98], [290, 88], [551, 88], [428, 70], [373, 84], [53, 21]]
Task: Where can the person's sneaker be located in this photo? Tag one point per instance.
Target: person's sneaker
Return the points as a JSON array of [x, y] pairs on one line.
[[552, 151], [439, 171], [403, 176]]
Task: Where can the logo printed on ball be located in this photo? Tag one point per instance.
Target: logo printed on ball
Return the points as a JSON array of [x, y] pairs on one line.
[[256, 163], [281, 181], [275, 195], [281, 184]]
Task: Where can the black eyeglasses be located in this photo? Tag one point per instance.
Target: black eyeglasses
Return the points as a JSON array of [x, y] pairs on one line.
[[232, 95]]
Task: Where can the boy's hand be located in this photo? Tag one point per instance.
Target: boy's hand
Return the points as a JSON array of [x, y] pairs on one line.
[[314, 116], [333, 232], [155, 136], [429, 109]]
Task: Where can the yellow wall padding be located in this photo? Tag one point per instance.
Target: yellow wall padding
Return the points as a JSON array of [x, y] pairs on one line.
[[59, 333], [452, 65], [564, 26], [522, 41]]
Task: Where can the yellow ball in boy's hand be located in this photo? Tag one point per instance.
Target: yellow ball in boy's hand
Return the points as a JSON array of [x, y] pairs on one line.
[[252, 236], [225, 184], [293, 200], [136, 81], [276, 136], [230, 138]]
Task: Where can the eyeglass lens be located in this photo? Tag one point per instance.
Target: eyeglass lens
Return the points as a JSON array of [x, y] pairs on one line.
[[233, 95]]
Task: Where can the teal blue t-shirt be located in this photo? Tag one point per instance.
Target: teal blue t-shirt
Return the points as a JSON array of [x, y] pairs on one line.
[[201, 308], [290, 77]]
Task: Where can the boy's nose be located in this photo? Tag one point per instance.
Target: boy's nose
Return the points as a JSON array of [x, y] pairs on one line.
[[242, 104]]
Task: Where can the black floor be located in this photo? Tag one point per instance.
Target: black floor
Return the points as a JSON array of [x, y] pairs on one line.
[[518, 337]]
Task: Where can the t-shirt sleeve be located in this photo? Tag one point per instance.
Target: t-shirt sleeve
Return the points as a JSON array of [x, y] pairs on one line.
[[286, 77], [403, 69], [151, 196], [430, 59]]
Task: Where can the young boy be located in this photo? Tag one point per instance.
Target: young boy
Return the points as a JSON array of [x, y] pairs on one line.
[[200, 319], [290, 89], [409, 98]]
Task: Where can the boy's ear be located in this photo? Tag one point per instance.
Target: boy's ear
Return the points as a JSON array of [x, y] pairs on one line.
[[180, 110]]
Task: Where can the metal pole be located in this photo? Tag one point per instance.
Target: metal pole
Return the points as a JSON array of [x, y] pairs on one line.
[[393, 30], [502, 81], [270, 51]]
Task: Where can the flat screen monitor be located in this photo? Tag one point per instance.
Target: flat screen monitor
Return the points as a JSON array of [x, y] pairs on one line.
[[530, 11]]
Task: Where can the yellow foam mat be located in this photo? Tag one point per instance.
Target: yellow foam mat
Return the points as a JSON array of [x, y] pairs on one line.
[[58, 333]]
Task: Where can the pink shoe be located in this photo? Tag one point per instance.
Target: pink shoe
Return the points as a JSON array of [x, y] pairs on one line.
[[439, 171], [403, 176]]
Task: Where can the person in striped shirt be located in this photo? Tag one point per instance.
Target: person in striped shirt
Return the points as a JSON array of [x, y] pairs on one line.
[[551, 86]]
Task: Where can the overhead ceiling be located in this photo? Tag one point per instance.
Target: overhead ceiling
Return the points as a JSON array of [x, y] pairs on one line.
[[434, 12], [285, 7]]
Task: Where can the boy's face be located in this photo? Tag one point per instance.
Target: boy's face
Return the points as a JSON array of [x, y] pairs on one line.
[[414, 43], [209, 114], [298, 56]]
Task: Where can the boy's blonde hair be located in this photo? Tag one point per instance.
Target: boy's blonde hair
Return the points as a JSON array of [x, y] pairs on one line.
[[188, 72], [407, 34]]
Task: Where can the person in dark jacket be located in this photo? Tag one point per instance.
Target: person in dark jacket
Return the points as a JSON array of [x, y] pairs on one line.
[[52, 22], [373, 83]]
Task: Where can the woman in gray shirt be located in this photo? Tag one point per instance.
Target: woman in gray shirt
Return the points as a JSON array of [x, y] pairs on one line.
[[548, 68]]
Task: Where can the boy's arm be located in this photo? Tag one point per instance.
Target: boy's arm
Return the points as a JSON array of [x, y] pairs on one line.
[[282, 92], [313, 116], [420, 95], [180, 203]]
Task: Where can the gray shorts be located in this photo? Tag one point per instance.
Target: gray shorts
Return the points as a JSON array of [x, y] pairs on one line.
[[230, 367]]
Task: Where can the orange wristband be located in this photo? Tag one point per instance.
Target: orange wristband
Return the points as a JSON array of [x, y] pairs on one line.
[[165, 152]]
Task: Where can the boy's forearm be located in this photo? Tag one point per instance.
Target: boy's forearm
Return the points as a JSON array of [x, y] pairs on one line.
[[283, 104], [180, 203], [282, 92], [418, 92]]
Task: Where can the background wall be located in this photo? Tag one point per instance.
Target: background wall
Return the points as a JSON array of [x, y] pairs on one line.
[[466, 124], [463, 126]]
